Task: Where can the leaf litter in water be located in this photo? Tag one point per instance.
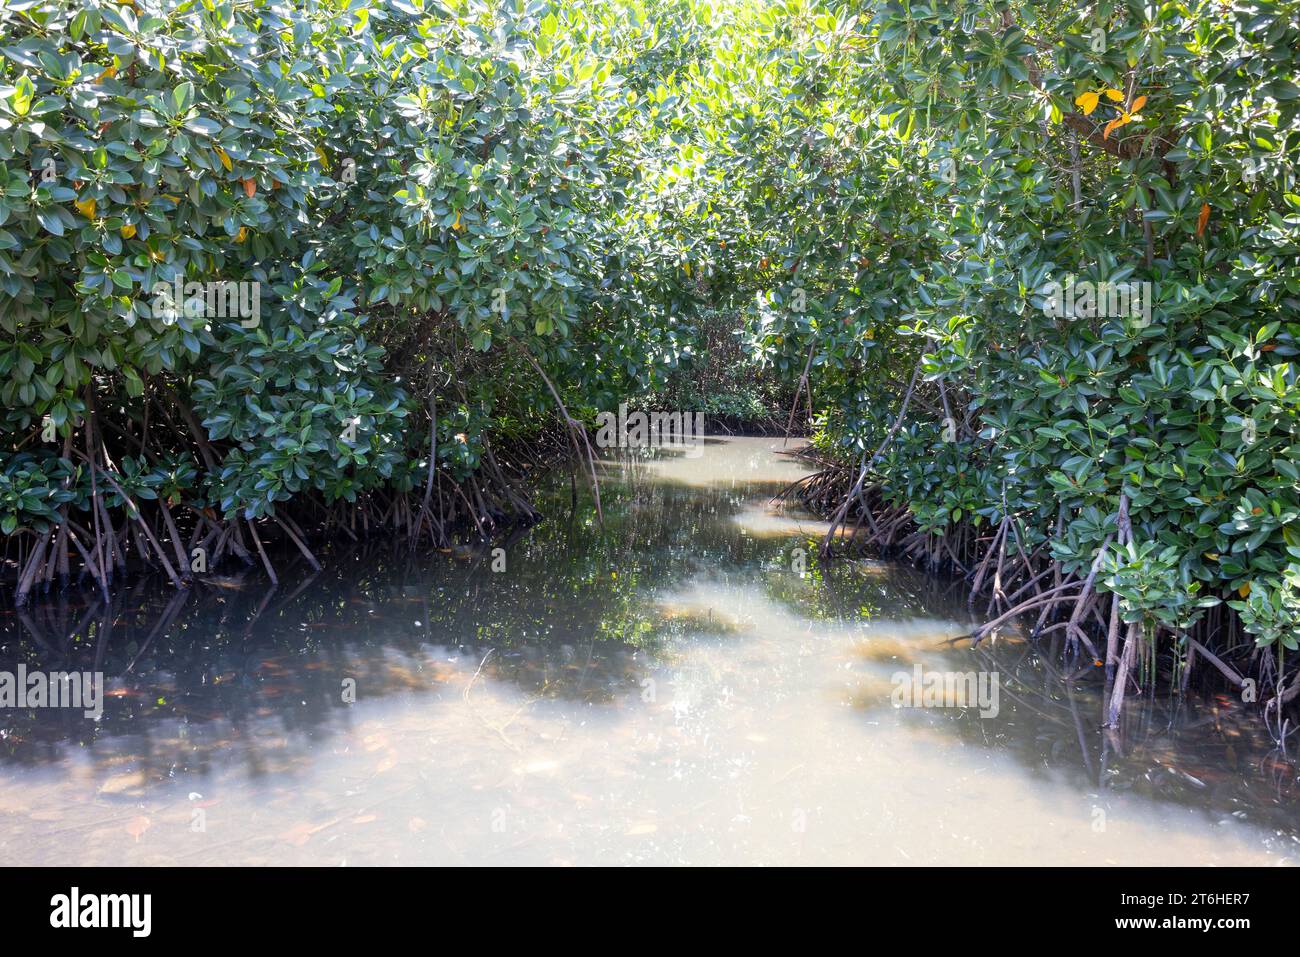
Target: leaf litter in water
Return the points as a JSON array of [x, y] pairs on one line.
[[138, 826]]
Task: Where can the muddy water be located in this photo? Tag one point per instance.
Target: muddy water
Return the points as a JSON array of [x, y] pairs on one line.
[[686, 685]]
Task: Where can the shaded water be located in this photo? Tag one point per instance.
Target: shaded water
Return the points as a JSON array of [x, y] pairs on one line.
[[668, 690]]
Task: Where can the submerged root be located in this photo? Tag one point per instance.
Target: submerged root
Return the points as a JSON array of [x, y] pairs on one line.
[[1015, 580], [124, 533]]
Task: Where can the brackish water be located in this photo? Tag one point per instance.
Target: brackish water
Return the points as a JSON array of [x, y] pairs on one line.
[[668, 689]]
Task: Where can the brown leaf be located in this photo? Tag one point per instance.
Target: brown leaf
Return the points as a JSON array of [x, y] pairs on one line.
[[299, 834], [128, 781], [250, 188], [1202, 219], [138, 826]]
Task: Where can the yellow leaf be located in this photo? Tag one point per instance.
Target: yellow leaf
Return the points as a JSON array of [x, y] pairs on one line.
[[1087, 102], [225, 160], [127, 231], [456, 224], [1137, 104], [1115, 95], [324, 158], [1244, 590], [87, 207], [243, 234], [1110, 126], [107, 74]]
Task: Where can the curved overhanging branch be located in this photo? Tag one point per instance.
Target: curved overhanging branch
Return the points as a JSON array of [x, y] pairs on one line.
[[574, 427], [842, 513]]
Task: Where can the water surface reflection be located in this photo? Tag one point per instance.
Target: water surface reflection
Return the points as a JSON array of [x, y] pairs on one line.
[[666, 690]]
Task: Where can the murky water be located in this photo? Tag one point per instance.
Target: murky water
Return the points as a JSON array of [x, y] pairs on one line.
[[670, 689]]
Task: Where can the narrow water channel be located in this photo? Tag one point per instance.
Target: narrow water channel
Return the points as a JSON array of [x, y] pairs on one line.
[[687, 684]]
